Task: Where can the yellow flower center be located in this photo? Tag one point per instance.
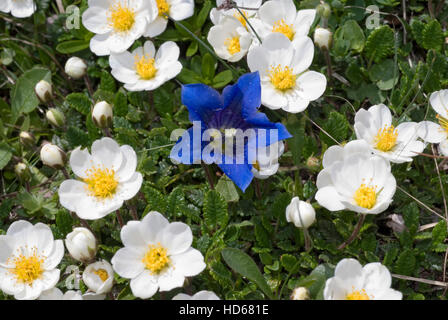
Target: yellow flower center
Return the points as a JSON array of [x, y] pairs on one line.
[[121, 18], [233, 45], [164, 8], [156, 258], [358, 295], [241, 17], [281, 27], [101, 183], [443, 122], [28, 269], [386, 138], [256, 165], [365, 196], [102, 274], [282, 78], [145, 67]]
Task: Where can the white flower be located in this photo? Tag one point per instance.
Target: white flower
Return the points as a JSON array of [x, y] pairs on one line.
[[29, 256], [300, 293], [117, 23], [56, 294], [81, 244], [437, 133], [301, 213], [55, 117], [285, 81], [351, 281], [99, 277], [281, 16], [75, 67], [201, 295], [175, 9], [396, 144], [102, 114], [323, 38], [354, 179], [229, 39], [44, 91], [246, 9], [18, 8], [157, 255], [52, 156], [107, 179], [267, 164], [144, 69]]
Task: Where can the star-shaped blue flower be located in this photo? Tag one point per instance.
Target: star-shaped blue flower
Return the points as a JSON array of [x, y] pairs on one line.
[[236, 109]]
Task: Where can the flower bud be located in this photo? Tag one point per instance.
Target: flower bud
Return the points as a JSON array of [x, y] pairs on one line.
[[99, 277], [323, 38], [75, 67], [102, 114], [44, 91], [300, 293], [55, 117], [300, 213], [22, 171], [324, 10], [53, 156], [81, 244], [27, 139], [313, 163]]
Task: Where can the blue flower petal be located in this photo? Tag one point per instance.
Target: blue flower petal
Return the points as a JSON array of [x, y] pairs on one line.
[[240, 174], [201, 101], [186, 150]]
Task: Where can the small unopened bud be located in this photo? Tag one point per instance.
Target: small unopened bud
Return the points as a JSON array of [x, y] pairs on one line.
[[99, 277], [75, 67], [300, 213], [102, 115], [53, 156], [44, 91], [81, 244], [22, 171], [27, 139], [324, 10], [323, 38], [300, 293], [313, 163], [55, 117]]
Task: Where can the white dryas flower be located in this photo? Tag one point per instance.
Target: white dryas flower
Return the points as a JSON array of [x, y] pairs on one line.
[[144, 69], [81, 244], [300, 293], [230, 39], [355, 180], [249, 9], [396, 144], [18, 8], [107, 179], [52, 156], [56, 294], [323, 38], [301, 213], [201, 295], [283, 66], [44, 91], [117, 23], [157, 255], [102, 114], [281, 16], [99, 277], [75, 67], [175, 9], [352, 281], [267, 164], [29, 256], [437, 133]]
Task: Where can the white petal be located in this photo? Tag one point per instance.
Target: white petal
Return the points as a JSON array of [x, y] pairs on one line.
[[303, 54], [81, 161], [328, 198], [431, 132], [156, 27], [181, 10], [130, 187], [347, 269], [128, 263], [144, 286], [151, 225], [312, 85], [106, 152], [128, 165], [70, 191], [18, 227], [177, 237], [170, 280], [439, 102], [189, 263], [99, 44], [130, 235], [303, 22], [95, 20], [56, 255]]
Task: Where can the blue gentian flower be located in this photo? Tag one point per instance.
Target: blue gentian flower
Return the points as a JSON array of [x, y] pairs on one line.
[[229, 114]]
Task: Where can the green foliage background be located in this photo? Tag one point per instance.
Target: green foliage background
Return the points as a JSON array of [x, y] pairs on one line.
[[250, 250]]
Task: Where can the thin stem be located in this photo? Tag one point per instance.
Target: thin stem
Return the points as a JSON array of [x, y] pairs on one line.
[[65, 173], [133, 211], [250, 25], [119, 218], [307, 237], [107, 132], [257, 189], [88, 85], [328, 61], [208, 175], [354, 233]]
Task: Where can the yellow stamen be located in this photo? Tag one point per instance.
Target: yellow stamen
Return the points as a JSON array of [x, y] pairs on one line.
[[386, 138], [233, 45], [145, 67], [101, 183], [121, 18], [241, 18], [28, 269], [365, 196], [281, 27], [102, 274], [256, 165], [156, 258], [164, 8], [282, 78], [443, 122], [358, 295]]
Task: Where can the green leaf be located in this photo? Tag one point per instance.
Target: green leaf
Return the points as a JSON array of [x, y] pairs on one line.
[[383, 74], [203, 14], [72, 46], [222, 79], [5, 155], [77, 137], [349, 37], [439, 232], [120, 104], [289, 262], [215, 210], [227, 189], [243, 264], [380, 44], [405, 263], [107, 82], [208, 66], [80, 102], [337, 126]]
